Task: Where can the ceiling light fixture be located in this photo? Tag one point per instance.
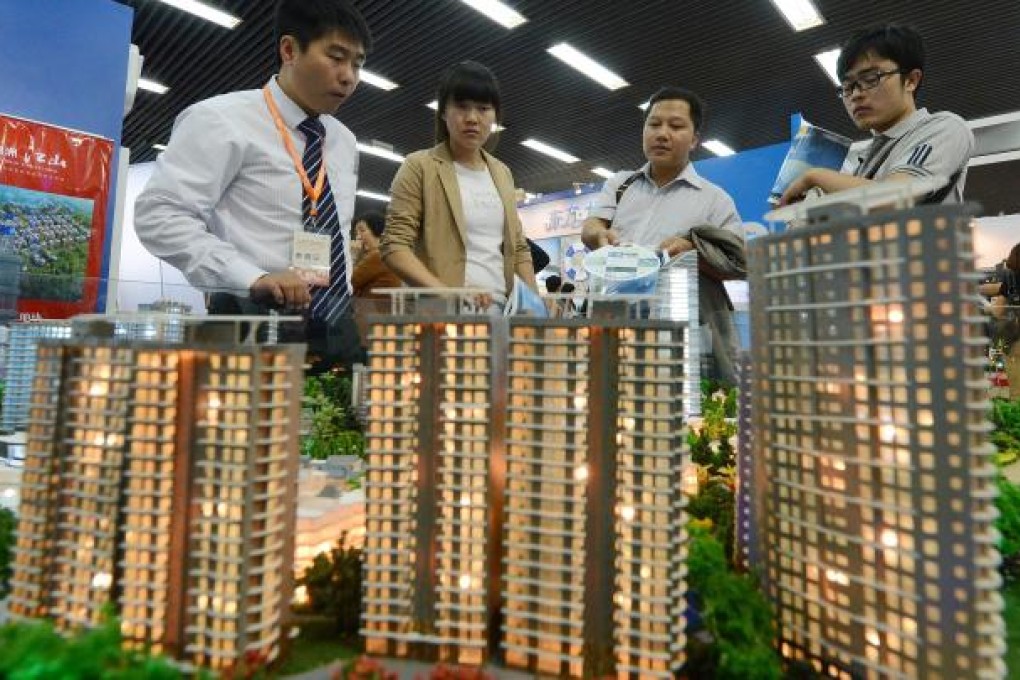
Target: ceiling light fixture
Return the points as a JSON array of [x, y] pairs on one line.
[[800, 14], [159, 147], [588, 66], [505, 16], [542, 147], [602, 172], [827, 60], [152, 86], [719, 148], [204, 11], [373, 195], [376, 80], [381, 152]]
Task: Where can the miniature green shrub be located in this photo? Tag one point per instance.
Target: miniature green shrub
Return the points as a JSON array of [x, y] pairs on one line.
[[1005, 416], [735, 614], [8, 522], [335, 428], [333, 582], [35, 651], [1008, 524]]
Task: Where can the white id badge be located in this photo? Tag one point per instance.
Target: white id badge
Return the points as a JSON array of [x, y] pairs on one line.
[[310, 257]]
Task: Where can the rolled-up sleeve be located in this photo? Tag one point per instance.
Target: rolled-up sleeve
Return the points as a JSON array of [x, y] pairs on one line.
[[174, 210], [404, 213], [604, 205]]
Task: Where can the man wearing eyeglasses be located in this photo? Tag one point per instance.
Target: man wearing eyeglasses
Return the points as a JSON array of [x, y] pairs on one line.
[[880, 71]]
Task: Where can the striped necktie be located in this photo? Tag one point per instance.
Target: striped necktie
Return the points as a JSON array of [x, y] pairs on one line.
[[328, 304]]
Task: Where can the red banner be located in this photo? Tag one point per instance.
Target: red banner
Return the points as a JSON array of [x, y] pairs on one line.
[[54, 185]]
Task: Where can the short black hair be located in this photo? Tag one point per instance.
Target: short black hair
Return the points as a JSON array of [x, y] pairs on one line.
[[895, 42], [309, 20], [466, 81], [1013, 260], [376, 222], [694, 102]]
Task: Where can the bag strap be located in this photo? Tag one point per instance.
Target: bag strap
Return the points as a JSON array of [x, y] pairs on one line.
[[626, 185], [874, 163], [940, 195]]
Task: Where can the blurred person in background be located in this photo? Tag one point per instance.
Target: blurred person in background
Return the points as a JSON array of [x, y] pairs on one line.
[[370, 272], [1004, 330]]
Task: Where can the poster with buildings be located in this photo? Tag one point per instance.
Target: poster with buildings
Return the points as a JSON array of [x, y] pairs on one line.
[[54, 185]]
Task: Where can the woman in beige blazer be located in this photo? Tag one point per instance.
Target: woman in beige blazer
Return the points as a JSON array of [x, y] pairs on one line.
[[452, 219]]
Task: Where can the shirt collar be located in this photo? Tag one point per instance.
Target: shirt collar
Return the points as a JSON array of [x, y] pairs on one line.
[[689, 176], [906, 125], [292, 114]]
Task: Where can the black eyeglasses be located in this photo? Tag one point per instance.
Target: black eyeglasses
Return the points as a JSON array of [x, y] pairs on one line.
[[864, 82]]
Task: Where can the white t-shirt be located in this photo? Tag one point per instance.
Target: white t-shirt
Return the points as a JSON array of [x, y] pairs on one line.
[[484, 218]]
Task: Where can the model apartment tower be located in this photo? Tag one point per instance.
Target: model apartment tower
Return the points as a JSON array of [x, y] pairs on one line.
[[523, 492], [431, 486], [162, 479], [595, 526], [873, 482], [23, 340]]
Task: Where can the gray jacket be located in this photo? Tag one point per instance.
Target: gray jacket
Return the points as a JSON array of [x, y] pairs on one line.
[[722, 251]]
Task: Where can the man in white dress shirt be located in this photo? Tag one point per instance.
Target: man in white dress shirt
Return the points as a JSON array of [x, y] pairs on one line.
[[247, 175]]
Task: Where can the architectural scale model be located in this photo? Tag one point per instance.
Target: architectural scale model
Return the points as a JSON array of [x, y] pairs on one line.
[[161, 478], [523, 492], [429, 488], [873, 482], [23, 338], [595, 535]]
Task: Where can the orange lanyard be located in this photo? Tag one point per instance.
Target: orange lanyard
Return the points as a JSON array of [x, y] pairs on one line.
[[313, 192]]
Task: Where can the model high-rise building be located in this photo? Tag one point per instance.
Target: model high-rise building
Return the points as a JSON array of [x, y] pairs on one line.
[[595, 527], [23, 338], [873, 480], [431, 489], [745, 530], [161, 479], [523, 492]]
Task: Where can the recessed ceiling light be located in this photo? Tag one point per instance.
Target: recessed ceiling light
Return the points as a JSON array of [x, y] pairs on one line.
[[159, 147], [381, 152], [602, 172], [376, 80], [827, 60], [152, 86], [801, 14], [204, 11], [588, 66], [373, 195], [505, 16], [542, 147], [719, 148]]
